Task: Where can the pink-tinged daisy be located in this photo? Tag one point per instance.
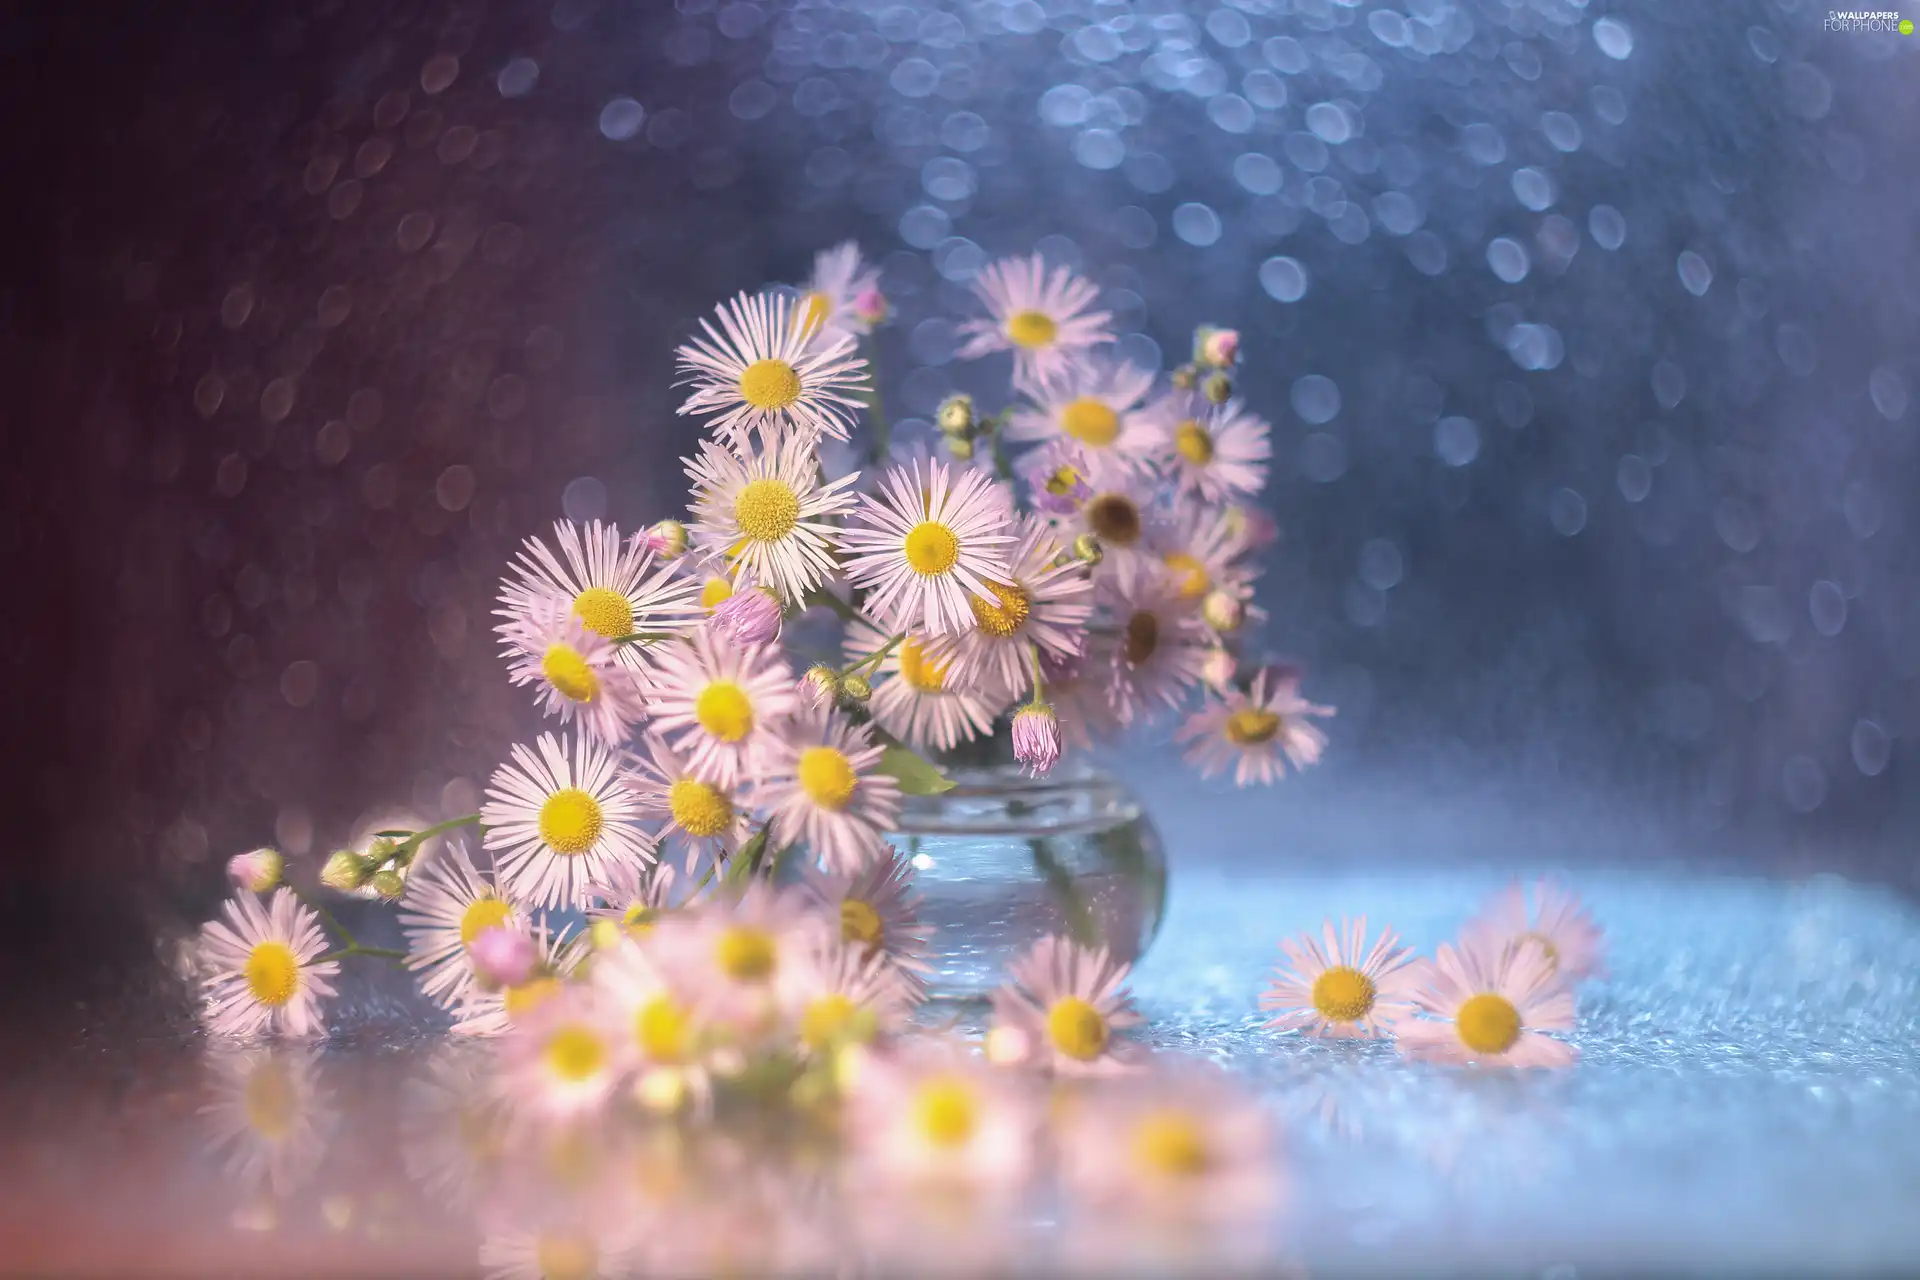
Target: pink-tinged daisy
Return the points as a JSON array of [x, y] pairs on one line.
[[1212, 452], [1493, 1004], [717, 703], [447, 904], [666, 1039], [559, 1250], [695, 815], [1575, 945], [633, 897], [1096, 405], [762, 371], [848, 999], [740, 960], [1045, 318], [1203, 551], [765, 512], [1157, 649], [1045, 600], [1343, 988], [561, 1059], [820, 779], [1182, 1141], [1119, 510], [484, 1012], [1056, 477], [558, 820], [453, 1126], [880, 914], [933, 1113], [612, 585], [1067, 1003], [1256, 733], [574, 671], [260, 968], [829, 303], [269, 1114], [914, 697], [933, 541]]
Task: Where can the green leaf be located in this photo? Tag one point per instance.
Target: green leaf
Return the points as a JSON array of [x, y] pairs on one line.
[[746, 859], [916, 775], [392, 835]]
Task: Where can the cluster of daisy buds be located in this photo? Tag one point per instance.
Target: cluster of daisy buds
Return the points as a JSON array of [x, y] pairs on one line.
[[1215, 353]]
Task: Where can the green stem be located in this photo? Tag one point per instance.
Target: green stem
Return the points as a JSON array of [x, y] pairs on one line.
[[876, 412], [826, 599], [873, 660], [1033, 652], [326, 916], [644, 637], [1081, 926], [355, 949]]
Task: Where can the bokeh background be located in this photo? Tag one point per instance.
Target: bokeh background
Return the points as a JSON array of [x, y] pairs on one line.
[[1587, 332]]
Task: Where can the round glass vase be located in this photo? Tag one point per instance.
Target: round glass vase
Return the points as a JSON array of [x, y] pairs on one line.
[[1003, 860]]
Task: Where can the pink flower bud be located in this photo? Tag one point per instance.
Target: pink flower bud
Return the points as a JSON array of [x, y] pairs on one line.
[[1222, 611], [1218, 670], [752, 616], [1220, 347], [502, 957], [1036, 738], [256, 871], [870, 305]]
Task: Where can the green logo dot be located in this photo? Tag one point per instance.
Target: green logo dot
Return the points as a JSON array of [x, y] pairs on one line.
[[1906, 26]]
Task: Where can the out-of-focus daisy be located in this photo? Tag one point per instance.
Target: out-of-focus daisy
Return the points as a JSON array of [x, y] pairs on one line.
[[574, 671], [749, 615], [561, 1059], [666, 1039], [1119, 510], [260, 968], [453, 1125], [913, 697], [485, 1012], [1044, 600], [1343, 988], [697, 816], [1256, 733], [765, 512], [1096, 405], [762, 371], [829, 303], [1157, 649], [1202, 552], [849, 997], [1493, 1004], [448, 904], [1036, 738], [716, 703], [1575, 945], [1067, 1004], [933, 541], [1214, 452], [268, 1114], [879, 913], [821, 781], [935, 1114], [1182, 1141], [559, 820], [633, 897], [558, 1250], [610, 584], [1046, 318], [740, 960]]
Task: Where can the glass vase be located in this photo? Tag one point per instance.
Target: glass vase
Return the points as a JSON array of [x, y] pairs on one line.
[[1002, 860]]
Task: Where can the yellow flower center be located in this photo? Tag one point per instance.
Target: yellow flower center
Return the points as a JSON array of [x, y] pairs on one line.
[[1193, 442], [827, 776], [1250, 727], [1140, 638], [1172, 1144], [947, 1112], [481, 915], [570, 821], [1487, 1023], [1062, 481], [1190, 575], [1032, 329], [1006, 614], [575, 1054], [812, 313], [715, 591], [604, 611], [273, 973], [565, 1258], [825, 1020], [270, 1101], [746, 954], [1077, 1029], [922, 674], [639, 917], [724, 711], [770, 384], [567, 671], [766, 510], [1343, 994], [662, 1030], [859, 922], [1090, 421], [931, 548], [1546, 945], [524, 999], [699, 808], [1115, 518]]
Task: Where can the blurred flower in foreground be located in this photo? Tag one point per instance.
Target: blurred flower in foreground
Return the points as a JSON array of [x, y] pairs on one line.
[[268, 1114], [1067, 1003], [1256, 733], [256, 871], [932, 1113]]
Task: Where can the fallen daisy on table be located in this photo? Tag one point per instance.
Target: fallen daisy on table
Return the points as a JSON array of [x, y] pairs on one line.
[[1575, 945], [261, 968], [1338, 986], [1062, 1010], [1488, 1006]]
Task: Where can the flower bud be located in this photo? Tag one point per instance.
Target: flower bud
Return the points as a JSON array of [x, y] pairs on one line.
[[256, 871], [1222, 611], [956, 415], [380, 850], [1036, 738], [1218, 348], [870, 306], [820, 686], [1218, 669], [389, 884], [1184, 378], [1087, 549], [1218, 388], [751, 616], [345, 871], [960, 447], [1253, 526], [856, 688], [502, 957], [668, 539]]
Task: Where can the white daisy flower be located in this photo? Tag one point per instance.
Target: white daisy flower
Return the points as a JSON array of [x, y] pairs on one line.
[[269, 1114], [696, 815], [666, 1038], [829, 303], [763, 371], [1096, 405], [560, 1060], [1157, 649], [1256, 733], [484, 1012], [740, 961], [1044, 317], [260, 971], [633, 897], [612, 585], [1118, 509], [935, 1114], [1045, 600], [1344, 988], [914, 698], [1493, 1003], [1204, 550], [820, 780], [558, 821], [764, 512], [849, 998], [715, 703], [879, 913], [933, 541], [1576, 946], [573, 670], [1212, 452], [446, 905], [1063, 1005]]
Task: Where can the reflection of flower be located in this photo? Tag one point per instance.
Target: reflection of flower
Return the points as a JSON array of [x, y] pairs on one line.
[[453, 1128], [556, 1251], [269, 1114]]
